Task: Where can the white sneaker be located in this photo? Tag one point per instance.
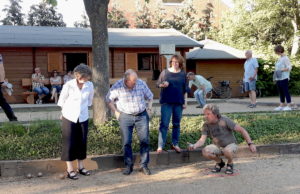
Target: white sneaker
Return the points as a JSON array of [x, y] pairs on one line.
[[287, 108], [279, 108]]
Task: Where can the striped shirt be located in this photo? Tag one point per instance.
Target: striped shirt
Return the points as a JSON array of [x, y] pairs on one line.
[[36, 84], [129, 101]]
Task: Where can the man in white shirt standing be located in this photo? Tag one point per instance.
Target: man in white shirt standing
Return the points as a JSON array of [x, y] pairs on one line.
[[250, 77], [203, 87]]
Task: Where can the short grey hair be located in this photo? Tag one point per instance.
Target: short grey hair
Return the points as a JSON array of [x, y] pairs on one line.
[[83, 70], [190, 74], [213, 108], [249, 52], [128, 73]]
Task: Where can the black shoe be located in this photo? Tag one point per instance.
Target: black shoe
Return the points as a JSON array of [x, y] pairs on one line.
[[218, 167], [13, 118], [145, 170], [199, 106], [72, 175], [84, 172], [128, 170]]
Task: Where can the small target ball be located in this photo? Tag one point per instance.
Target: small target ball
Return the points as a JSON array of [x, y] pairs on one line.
[[29, 176], [61, 176], [40, 174]]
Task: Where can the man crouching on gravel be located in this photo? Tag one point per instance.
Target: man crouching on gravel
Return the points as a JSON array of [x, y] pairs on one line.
[[220, 130]]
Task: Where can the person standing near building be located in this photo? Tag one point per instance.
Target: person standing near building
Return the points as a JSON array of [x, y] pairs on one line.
[[127, 99], [174, 87], [203, 87], [75, 98], [3, 103], [281, 75], [250, 77]]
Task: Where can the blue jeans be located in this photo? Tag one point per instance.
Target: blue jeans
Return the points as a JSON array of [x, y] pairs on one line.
[[141, 123], [199, 95], [57, 87], [41, 90], [168, 110]]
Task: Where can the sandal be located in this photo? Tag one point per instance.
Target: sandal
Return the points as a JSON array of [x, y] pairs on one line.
[[229, 169], [218, 167], [72, 175], [84, 172]]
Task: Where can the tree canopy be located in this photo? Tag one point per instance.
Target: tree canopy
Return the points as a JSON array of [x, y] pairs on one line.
[[13, 14]]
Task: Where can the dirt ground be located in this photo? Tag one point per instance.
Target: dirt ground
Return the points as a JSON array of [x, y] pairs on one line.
[[277, 174]]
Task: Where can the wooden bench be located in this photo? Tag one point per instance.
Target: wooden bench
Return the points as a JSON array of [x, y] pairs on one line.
[[30, 95]]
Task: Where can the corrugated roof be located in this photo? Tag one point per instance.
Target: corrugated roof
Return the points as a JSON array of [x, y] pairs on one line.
[[215, 50], [38, 36]]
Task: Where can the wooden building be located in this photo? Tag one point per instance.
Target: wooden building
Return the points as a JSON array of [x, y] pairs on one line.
[[51, 48], [218, 61]]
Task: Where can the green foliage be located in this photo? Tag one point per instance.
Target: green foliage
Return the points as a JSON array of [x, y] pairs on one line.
[[116, 18], [14, 16], [143, 17], [44, 14], [259, 25], [84, 23], [43, 139]]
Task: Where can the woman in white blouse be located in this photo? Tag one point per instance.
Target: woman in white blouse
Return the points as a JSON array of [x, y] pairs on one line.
[[75, 98], [282, 71]]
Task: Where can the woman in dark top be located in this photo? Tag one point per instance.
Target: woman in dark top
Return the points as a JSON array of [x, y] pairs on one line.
[[173, 84]]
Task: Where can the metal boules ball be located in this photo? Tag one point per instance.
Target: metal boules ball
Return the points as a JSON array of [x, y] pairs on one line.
[[40, 174], [61, 176], [29, 176]]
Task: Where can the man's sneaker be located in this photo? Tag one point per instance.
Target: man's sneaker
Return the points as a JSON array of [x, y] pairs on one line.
[[279, 108], [37, 101], [41, 102], [252, 106], [199, 106], [145, 170], [128, 170], [287, 108]]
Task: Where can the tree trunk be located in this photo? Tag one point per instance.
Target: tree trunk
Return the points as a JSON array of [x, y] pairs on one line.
[[296, 26], [97, 13]]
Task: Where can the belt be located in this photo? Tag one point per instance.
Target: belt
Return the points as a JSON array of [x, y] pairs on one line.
[[138, 114]]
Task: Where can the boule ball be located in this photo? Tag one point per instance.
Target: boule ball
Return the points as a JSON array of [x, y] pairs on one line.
[[61, 176], [29, 176], [40, 174]]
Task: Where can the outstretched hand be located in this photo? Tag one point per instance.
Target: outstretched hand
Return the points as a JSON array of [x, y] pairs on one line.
[[252, 148]]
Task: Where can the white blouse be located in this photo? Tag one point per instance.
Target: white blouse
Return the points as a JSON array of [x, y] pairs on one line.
[[75, 102]]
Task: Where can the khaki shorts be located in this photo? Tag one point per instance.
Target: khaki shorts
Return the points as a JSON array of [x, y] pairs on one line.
[[212, 148]]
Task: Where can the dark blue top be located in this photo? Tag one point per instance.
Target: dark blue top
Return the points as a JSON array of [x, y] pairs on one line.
[[178, 86]]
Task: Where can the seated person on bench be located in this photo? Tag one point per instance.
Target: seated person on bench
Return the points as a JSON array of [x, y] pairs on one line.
[[38, 81], [55, 82]]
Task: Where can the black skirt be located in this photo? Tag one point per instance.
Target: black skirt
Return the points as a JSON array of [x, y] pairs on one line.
[[74, 140]]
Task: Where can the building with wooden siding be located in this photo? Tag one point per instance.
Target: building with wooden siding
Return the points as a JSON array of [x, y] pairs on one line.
[[219, 61], [25, 47]]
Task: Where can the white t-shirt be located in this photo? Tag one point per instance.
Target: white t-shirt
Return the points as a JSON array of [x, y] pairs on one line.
[[249, 67], [199, 82]]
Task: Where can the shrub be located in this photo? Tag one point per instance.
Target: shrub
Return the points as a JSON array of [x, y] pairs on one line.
[[43, 139]]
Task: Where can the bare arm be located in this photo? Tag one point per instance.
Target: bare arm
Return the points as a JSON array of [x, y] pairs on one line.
[[200, 142], [114, 109], [246, 137]]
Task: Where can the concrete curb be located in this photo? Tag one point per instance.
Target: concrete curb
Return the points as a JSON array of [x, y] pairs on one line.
[[107, 162]]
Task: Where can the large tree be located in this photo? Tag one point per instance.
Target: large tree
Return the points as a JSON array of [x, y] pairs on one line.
[[97, 13], [14, 16], [261, 24], [45, 14]]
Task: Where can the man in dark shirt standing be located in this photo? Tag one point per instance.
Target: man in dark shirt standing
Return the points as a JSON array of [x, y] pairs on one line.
[[220, 130]]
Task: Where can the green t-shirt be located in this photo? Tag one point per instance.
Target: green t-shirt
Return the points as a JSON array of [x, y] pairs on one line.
[[221, 133]]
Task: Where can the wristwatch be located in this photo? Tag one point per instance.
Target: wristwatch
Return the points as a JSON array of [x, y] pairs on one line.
[[250, 143]]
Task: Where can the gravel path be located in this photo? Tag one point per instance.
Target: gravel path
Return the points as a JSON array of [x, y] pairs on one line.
[[278, 174]]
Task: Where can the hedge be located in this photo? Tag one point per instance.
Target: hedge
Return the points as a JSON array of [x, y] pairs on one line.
[[43, 139]]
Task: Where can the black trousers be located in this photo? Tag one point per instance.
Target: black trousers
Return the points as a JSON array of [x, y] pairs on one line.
[[283, 88], [74, 140], [6, 108]]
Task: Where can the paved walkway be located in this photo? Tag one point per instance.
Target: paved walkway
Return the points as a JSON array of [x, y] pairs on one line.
[[272, 175], [28, 112]]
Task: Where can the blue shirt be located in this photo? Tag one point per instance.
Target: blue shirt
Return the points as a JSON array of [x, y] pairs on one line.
[[250, 67], [129, 101], [178, 86]]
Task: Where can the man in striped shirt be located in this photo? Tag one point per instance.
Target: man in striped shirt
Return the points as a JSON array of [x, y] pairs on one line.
[[128, 98]]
